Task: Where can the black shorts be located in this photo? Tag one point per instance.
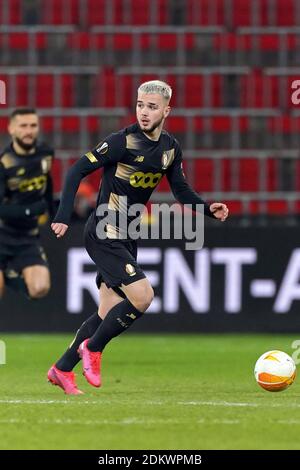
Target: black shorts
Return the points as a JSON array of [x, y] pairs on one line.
[[19, 256], [115, 260]]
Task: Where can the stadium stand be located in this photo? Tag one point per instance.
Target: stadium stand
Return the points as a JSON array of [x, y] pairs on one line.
[[231, 65]]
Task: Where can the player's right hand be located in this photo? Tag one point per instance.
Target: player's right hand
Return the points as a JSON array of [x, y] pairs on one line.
[[59, 229]]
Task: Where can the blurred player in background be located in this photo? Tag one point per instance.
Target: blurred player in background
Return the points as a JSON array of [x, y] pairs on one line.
[[134, 159], [25, 194]]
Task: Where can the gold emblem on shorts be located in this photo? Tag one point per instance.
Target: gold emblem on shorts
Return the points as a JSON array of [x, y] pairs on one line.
[[130, 270]]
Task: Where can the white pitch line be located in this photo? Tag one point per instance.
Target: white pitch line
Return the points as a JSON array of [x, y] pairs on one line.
[[238, 404], [49, 402], [123, 422], [104, 401], [135, 421], [288, 421], [215, 403]]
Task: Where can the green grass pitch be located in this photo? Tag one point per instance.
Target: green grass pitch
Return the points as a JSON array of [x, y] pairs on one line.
[[159, 392]]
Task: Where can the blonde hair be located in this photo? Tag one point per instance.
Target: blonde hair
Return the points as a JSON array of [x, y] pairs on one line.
[[156, 86]]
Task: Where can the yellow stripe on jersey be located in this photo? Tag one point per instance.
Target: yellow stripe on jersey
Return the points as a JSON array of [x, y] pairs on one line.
[[91, 157]]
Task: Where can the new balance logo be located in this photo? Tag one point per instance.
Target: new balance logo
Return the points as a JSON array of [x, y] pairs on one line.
[[139, 158]]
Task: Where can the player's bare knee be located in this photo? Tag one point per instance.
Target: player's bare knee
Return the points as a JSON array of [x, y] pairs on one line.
[[2, 284], [108, 299], [106, 306], [1, 291], [142, 300], [38, 291]]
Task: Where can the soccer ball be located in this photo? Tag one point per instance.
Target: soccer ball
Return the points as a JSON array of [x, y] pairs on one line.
[[275, 371]]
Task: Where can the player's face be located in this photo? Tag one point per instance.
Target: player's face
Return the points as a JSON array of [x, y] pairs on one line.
[[24, 130], [151, 111]]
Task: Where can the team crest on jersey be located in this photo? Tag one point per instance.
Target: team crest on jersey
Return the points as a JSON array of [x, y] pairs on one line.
[[44, 165], [130, 270], [103, 148], [167, 158]]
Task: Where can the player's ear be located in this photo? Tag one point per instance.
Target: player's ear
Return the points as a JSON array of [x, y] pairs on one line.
[[10, 128], [167, 111]]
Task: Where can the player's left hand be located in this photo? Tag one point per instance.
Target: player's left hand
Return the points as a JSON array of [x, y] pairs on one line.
[[59, 229], [219, 210]]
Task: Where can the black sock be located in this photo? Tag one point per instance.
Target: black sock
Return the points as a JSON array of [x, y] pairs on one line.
[[118, 319], [70, 358], [15, 281]]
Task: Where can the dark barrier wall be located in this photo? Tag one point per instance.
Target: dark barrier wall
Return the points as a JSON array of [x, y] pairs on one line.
[[244, 279]]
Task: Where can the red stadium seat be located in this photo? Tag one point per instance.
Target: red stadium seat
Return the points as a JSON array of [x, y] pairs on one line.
[[277, 207], [13, 11], [162, 17], [44, 91], [242, 13], [54, 12], [272, 174], [284, 124], [79, 40], [93, 124], [226, 183], [3, 125], [56, 173], [176, 124], [167, 41], [297, 177], [123, 41], [253, 90], [110, 88], [67, 90], [206, 12], [18, 41], [70, 132], [236, 207], [249, 174], [95, 12], [193, 91], [140, 12], [263, 12], [125, 90], [71, 124], [163, 185], [221, 124], [21, 90], [231, 41], [47, 124], [286, 13], [204, 175]]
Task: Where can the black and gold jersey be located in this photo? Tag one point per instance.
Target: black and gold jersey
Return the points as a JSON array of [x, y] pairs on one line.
[[133, 166], [24, 180]]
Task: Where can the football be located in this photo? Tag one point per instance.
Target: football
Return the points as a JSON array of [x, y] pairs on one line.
[[275, 371]]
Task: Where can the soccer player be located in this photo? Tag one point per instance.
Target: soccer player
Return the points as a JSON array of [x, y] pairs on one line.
[[134, 161], [25, 193]]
